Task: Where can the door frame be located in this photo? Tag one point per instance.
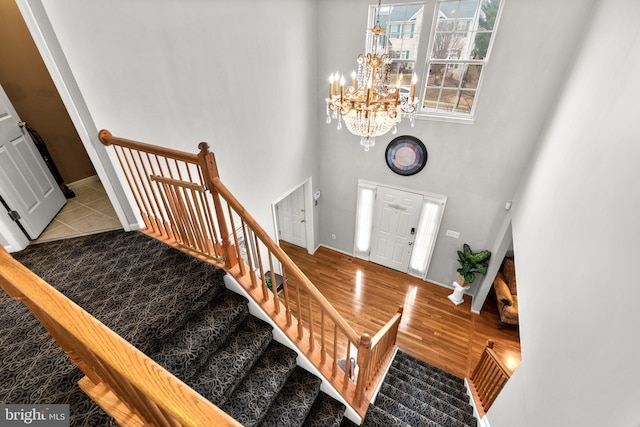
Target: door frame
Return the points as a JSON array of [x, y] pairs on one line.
[[362, 183], [46, 41], [308, 210]]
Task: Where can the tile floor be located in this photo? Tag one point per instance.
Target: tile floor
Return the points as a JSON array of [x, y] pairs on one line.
[[87, 213]]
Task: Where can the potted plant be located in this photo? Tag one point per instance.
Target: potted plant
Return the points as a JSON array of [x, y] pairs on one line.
[[470, 264]]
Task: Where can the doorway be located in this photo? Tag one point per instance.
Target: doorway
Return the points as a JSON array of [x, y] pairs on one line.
[[397, 227], [293, 216]]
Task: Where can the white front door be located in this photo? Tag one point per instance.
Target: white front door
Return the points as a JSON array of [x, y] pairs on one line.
[[292, 219], [395, 222], [26, 184]]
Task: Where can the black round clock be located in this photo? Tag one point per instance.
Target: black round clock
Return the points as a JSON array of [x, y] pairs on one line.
[[406, 155]]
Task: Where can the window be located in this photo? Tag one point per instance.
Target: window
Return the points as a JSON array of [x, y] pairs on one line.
[[402, 24], [460, 45]]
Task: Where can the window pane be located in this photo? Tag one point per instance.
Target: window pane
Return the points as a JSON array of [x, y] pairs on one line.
[[452, 76], [468, 9], [481, 46], [431, 98], [471, 76], [436, 75], [488, 14], [448, 99], [448, 10], [465, 102]]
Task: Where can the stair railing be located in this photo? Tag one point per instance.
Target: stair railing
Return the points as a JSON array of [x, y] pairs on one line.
[[487, 379], [122, 380], [183, 202]]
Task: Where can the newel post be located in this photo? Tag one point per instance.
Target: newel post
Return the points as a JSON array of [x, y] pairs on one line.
[[210, 173], [364, 359]]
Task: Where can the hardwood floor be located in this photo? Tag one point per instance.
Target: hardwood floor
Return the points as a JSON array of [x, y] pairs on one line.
[[367, 295]]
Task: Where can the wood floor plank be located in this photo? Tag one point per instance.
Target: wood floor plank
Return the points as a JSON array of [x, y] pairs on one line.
[[367, 295]]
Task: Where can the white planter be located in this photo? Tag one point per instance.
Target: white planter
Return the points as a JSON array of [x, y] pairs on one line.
[[457, 297]]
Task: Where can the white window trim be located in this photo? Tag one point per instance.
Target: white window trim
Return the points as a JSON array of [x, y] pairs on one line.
[[430, 8]]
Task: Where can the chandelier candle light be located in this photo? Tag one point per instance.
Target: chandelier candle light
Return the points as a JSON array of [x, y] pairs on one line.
[[370, 107]]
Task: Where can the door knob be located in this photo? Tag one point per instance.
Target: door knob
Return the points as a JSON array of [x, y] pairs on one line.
[[302, 220]]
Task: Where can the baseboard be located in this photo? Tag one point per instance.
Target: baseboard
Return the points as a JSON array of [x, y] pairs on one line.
[[337, 250], [83, 181], [482, 422]]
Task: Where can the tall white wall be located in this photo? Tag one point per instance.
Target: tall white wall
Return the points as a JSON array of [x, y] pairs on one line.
[[237, 74], [576, 231], [477, 166]]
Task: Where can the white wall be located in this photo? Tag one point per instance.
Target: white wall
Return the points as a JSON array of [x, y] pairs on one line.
[[476, 166], [576, 230], [237, 74]]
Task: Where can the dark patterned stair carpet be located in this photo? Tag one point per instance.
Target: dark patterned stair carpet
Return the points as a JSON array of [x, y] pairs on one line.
[[177, 310], [415, 393], [172, 307]]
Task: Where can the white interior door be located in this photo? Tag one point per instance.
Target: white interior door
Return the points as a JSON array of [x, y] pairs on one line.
[[395, 221], [26, 184], [292, 219]]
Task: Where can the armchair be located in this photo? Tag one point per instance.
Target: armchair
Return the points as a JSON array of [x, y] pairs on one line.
[[504, 286]]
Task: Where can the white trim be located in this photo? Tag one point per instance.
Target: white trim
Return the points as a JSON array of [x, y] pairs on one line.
[[334, 249], [482, 422], [44, 36], [308, 210], [280, 336], [83, 181]]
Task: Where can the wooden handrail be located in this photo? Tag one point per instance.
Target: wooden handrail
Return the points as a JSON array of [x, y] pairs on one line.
[[124, 381], [289, 265], [487, 379], [108, 139], [168, 185]]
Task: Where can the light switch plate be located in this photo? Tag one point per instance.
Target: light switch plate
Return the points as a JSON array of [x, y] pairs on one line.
[[454, 234]]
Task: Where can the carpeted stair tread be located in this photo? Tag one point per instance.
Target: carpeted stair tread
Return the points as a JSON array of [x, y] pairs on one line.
[[188, 349], [443, 418], [121, 278], [378, 417], [233, 360], [416, 382], [407, 358], [294, 402], [250, 401], [402, 412], [325, 412], [435, 381], [464, 414], [422, 371]]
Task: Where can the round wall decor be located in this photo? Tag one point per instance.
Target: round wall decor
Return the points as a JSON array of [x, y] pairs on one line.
[[406, 155]]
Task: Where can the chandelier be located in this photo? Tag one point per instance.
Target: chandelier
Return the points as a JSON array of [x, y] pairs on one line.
[[371, 106]]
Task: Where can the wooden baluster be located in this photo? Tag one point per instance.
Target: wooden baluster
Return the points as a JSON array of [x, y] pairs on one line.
[[274, 285], [210, 172], [149, 188], [364, 356], [323, 348], [310, 328], [334, 367], [347, 361], [285, 291], [299, 311], [241, 263], [250, 254]]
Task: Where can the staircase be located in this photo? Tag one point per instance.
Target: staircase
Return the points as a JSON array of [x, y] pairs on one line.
[[201, 332], [230, 357], [415, 393]]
